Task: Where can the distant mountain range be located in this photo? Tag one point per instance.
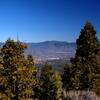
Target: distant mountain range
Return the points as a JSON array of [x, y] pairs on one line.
[[50, 50]]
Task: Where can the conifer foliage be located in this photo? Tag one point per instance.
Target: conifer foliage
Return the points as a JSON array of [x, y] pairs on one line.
[[12, 53], [86, 67], [66, 78], [51, 85], [17, 73]]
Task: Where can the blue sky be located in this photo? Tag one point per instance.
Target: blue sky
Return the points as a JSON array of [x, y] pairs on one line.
[[42, 20]]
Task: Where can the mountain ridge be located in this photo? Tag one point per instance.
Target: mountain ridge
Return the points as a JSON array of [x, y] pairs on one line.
[[50, 50]]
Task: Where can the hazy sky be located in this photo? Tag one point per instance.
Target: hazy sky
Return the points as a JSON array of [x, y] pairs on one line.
[[41, 20]]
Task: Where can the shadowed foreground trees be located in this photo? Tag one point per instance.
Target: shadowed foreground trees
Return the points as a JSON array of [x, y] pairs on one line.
[[66, 78], [18, 80], [85, 71], [51, 85], [12, 58], [18, 74]]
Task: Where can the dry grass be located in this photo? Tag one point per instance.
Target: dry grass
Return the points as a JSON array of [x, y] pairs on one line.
[[81, 95]]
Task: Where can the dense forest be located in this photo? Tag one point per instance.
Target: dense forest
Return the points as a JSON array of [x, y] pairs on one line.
[[20, 79]]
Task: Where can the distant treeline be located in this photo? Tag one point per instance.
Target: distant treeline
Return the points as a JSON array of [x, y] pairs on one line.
[[20, 79]]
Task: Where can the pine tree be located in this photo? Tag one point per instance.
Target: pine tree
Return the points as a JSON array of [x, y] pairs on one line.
[[33, 70], [46, 82], [57, 86], [12, 53], [17, 74], [28, 79], [85, 64], [66, 77], [51, 85], [3, 81]]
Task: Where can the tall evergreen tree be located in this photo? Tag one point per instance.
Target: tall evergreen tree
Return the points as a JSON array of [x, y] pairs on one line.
[[51, 85], [34, 84], [12, 53], [85, 63], [28, 79], [57, 86], [17, 72], [66, 77], [46, 82]]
